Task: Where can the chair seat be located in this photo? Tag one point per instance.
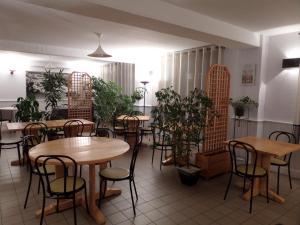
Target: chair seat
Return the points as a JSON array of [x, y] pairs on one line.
[[11, 141], [259, 171], [50, 169], [278, 162], [118, 128], [57, 185], [114, 173]]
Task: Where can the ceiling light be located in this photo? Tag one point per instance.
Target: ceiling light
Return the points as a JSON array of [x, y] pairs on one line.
[[99, 52]]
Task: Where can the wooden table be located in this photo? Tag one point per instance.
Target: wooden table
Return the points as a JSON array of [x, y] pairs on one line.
[[19, 126], [85, 151], [266, 149], [131, 140]]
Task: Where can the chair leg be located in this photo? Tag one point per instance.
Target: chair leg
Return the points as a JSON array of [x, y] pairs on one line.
[[228, 186], [39, 185], [135, 190], [152, 154], [57, 205], [86, 200], [74, 208], [19, 153], [100, 192], [133, 206], [267, 187], [278, 178], [290, 179], [104, 189], [161, 157], [110, 164], [28, 190], [251, 196], [80, 170], [0, 146]]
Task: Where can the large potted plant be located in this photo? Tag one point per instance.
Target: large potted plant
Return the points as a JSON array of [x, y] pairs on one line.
[[240, 105], [183, 117], [54, 85], [28, 109]]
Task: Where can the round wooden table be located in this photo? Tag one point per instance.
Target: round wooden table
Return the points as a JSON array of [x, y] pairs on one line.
[[85, 151]]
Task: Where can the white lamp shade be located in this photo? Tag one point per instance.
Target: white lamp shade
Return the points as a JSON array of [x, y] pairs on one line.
[[99, 52]]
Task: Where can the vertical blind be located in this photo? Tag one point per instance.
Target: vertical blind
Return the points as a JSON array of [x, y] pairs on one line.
[[185, 70], [121, 73]]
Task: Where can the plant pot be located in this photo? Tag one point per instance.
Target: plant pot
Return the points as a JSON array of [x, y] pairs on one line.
[[239, 111], [189, 176]]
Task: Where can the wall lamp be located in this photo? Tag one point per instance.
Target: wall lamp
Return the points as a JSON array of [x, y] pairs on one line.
[[289, 63], [12, 72]]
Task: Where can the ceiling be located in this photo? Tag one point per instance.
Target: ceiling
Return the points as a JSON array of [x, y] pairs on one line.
[[254, 15], [135, 27]]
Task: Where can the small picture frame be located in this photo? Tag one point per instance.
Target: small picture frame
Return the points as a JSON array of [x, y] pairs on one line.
[[249, 74]]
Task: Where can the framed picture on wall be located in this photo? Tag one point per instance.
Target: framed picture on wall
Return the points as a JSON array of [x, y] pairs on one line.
[[249, 74]]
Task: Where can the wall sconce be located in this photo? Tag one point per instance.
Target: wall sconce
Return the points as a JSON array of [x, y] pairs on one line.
[[289, 63], [12, 72]]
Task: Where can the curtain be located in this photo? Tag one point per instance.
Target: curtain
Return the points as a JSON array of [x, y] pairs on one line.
[[186, 70], [121, 73]]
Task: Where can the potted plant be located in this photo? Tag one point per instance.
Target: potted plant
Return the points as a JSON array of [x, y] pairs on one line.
[[54, 85], [183, 117], [28, 109], [106, 98], [138, 94], [241, 104]]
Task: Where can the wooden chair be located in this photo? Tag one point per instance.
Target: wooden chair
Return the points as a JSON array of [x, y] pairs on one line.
[[35, 133], [73, 128], [246, 170], [119, 174], [131, 125], [161, 142], [117, 127], [284, 161], [64, 187]]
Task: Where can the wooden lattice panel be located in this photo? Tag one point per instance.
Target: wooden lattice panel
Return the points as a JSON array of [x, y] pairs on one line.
[[80, 96], [217, 88]]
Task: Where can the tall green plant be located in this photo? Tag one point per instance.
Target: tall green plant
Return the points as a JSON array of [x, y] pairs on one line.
[[106, 97], [182, 117], [53, 84], [28, 109]]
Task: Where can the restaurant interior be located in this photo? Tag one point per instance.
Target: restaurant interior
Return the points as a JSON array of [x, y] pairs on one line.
[[149, 112]]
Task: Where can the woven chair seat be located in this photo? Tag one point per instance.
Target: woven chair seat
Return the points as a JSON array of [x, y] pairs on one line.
[[11, 141], [114, 173], [259, 171], [57, 185], [278, 162]]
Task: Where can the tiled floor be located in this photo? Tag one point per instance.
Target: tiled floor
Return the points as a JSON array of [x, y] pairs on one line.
[[163, 200]]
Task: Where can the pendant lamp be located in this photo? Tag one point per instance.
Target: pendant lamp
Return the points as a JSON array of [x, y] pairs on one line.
[[99, 52]]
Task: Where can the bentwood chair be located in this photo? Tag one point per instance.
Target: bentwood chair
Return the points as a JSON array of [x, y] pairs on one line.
[[131, 125], [117, 127], [284, 161], [119, 174], [35, 133], [104, 132], [64, 187], [161, 142], [246, 170], [73, 128]]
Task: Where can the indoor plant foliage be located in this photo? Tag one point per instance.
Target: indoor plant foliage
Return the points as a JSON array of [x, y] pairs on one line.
[[53, 84], [182, 117], [28, 109], [138, 94], [106, 97], [241, 104]]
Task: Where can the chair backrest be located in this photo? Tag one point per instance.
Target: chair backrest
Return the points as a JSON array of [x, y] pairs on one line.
[[136, 113], [35, 133], [237, 148], [283, 136], [66, 163], [131, 123], [104, 132], [160, 136], [73, 128], [135, 152]]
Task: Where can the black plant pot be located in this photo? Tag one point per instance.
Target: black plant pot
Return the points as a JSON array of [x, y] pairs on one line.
[[189, 176]]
